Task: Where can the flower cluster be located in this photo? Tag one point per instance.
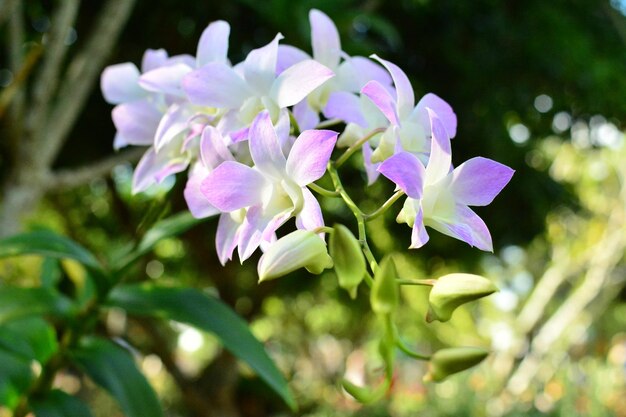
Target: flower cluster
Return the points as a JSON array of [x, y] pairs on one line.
[[254, 137]]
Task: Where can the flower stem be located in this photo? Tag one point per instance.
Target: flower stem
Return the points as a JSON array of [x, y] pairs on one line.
[[356, 146], [334, 175], [385, 206], [328, 123], [323, 191], [422, 282]]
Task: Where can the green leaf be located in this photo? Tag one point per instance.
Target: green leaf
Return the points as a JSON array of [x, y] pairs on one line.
[[16, 302], [59, 404], [190, 306], [114, 369], [47, 243], [169, 227], [16, 376], [32, 337], [384, 296]]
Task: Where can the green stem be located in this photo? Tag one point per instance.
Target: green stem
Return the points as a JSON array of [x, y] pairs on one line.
[[356, 146], [323, 191], [323, 229], [358, 214], [368, 279], [423, 282], [328, 123], [385, 206]]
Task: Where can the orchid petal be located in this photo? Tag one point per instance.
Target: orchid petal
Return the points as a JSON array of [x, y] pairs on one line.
[[465, 226], [297, 81], [306, 117], [382, 99], [197, 203], [265, 147], [136, 122], [153, 168], [260, 66], [119, 83], [226, 237], [173, 123], [232, 186], [404, 90], [289, 55], [478, 181], [406, 171], [371, 168], [216, 85], [419, 235], [309, 155], [213, 44], [310, 217], [184, 59], [440, 159], [346, 107], [325, 39], [443, 110], [366, 70], [251, 232], [166, 80], [153, 59], [213, 150]]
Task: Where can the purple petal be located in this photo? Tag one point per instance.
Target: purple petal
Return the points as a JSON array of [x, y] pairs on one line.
[[406, 171], [213, 150], [306, 117], [419, 236], [282, 127], [465, 226], [297, 81], [251, 232], [232, 186], [197, 203], [325, 39], [404, 90], [289, 55], [260, 66], [226, 237], [213, 44], [310, 217], [166, 80], [382, 99], [119, 83], [345, 106], [153, 168], [136, 122], [371, 168], [153, 58], [216, 85], [367, 70], [440, 159], [265, 147], [185, 59], [478, 181], [173, 123], [309, 155], [443, 110]]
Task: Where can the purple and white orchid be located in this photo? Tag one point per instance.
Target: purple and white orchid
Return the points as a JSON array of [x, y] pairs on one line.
[[439, 197]]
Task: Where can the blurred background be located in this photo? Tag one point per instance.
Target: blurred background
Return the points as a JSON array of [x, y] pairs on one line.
[[537, 85]]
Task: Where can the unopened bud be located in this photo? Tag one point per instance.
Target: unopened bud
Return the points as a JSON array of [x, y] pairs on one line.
[[452, 290], [299, 249], [384, 295], [446, 362], [348, 258]]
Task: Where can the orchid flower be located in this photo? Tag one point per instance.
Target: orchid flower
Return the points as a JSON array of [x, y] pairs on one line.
[[351, 74], [253, 86], [274, 190], [440, 198]]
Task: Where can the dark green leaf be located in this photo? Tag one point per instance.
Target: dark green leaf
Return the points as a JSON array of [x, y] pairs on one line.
[[35, 338], [15, 377], [16, 302], [51, 273], [169, 227], [190, 306], [59, 404], [114, 369], [48, 244]]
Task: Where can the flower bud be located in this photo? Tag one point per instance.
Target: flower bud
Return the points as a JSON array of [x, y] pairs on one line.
[[384, 295], [299, 249], [348, 258], [452, 290], [446, 362]]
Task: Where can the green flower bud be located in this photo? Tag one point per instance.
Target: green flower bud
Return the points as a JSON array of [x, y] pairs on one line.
[[384, 296], [299, 249], [446, 362], [348, 259], [452, 290]]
